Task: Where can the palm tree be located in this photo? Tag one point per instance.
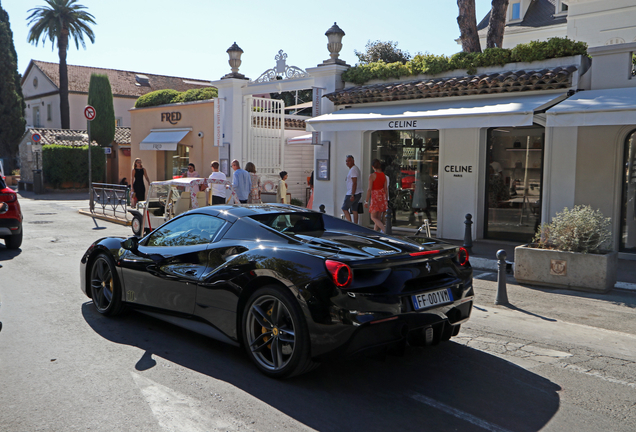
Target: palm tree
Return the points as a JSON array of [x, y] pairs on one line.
[[59, 20]]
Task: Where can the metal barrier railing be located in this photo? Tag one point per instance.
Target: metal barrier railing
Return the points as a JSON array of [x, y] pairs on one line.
[[110, 199]]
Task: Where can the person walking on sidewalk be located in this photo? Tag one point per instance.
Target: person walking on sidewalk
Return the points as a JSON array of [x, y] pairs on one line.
[[138, 186], [281, 192], [354, 190], [255, 191], [242, 182], [377, 194], [218, 189]]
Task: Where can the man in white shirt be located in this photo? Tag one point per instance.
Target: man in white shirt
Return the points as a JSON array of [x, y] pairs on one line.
[[218, 189], [354, 190]]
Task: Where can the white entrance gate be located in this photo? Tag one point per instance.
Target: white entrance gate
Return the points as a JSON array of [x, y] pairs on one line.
[[265, 135]]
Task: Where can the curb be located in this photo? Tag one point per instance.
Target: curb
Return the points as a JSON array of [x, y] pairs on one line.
[[492, 265]]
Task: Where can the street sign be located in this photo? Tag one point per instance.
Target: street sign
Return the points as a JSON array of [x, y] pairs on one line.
[[36, 137], [107, 150], [89, 113]]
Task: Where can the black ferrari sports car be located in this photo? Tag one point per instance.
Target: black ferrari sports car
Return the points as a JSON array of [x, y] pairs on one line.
[[293, 286]]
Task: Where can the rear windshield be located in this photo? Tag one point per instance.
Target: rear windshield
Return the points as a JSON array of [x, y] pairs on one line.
[[296, 223]]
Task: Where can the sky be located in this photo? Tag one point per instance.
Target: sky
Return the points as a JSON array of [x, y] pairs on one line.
[[189, 38]]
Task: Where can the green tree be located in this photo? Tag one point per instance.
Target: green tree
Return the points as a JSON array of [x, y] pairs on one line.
[[388, 52], [100, 97], [59, 21], [12, 105]]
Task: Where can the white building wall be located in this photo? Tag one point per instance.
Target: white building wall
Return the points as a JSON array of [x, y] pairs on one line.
[[458, 193], [601, 22], [559, 171]]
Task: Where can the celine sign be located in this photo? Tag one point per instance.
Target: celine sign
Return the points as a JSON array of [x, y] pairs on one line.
[[171, 117], [458, 170], [403, 124]]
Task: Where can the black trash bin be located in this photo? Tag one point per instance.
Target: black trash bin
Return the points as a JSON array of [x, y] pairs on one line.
[[38, 183]]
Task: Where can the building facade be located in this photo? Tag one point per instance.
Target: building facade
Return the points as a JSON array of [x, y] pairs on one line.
[[40, 86]]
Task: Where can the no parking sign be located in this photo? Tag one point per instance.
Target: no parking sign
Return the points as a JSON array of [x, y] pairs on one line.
[[90, 113]]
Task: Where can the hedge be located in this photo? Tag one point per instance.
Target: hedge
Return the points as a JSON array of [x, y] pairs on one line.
[[61, 164], [430, 64], [162, 97]]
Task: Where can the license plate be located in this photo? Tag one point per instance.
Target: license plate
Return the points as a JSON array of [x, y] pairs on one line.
[[432, 298]]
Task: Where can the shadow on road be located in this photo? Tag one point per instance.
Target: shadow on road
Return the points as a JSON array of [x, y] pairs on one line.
[[622, 297], [8, 254], [447, 387]]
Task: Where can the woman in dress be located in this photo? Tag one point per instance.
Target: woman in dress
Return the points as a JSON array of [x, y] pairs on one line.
[[281, 192], [255, 191], [139, 188], [377, 194], [310, 203]]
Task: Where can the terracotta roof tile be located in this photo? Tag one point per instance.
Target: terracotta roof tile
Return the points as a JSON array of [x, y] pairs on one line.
[[493, 83], [123, 83], [75, 138]]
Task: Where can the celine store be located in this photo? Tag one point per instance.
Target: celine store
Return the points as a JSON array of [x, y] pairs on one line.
[[494, 145]]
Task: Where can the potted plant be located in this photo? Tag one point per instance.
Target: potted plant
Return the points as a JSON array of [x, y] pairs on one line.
[[573, 251]]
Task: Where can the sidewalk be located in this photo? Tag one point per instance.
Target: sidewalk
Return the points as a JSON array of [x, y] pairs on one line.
[[484, 257]]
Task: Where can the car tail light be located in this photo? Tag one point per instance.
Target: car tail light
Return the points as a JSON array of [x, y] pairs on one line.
[[422, 253], [8, 197], [340, 272], [462, 256]]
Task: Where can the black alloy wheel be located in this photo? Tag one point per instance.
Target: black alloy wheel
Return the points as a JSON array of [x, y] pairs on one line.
[[105, 287], [136, 225], [275, 333]]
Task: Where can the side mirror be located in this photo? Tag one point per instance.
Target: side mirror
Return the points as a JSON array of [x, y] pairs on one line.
[[130, 244]]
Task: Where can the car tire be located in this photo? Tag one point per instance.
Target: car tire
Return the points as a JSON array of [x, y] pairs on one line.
[[105, 287], [136, 225], [272, 315], [14, 241]]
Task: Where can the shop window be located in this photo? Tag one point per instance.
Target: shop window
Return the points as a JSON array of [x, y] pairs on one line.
[[118, 121], [410, 160], [628, 213], [177, 162], [514, 183]]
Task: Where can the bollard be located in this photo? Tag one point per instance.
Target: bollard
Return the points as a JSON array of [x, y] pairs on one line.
[[388, 225], [502, 295], [468, 233]]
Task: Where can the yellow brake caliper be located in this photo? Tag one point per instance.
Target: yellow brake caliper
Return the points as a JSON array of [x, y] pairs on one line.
[[264, 330]]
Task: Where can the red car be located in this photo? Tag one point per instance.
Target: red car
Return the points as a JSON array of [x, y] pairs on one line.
[[10, 217]]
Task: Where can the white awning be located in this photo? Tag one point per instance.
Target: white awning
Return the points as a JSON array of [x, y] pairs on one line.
[[595, 108], [448, 113], [163, 139], [302, 139]]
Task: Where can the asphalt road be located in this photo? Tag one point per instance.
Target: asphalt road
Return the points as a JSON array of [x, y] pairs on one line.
[[554, 361]]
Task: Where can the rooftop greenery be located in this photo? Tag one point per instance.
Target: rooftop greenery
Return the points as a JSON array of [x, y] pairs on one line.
[[429, 64], [168, 96]]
